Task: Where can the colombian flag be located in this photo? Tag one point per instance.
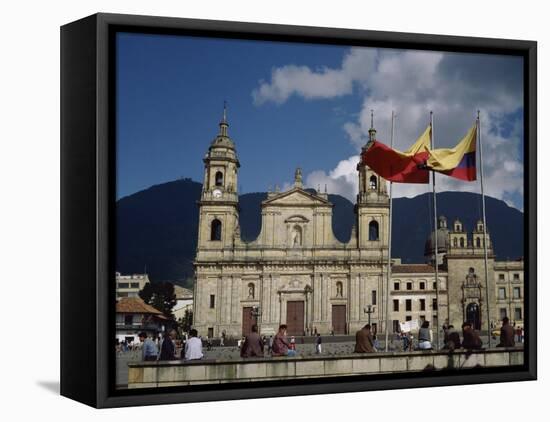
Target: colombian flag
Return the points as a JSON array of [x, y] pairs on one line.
[[458, 162], [397, 166]]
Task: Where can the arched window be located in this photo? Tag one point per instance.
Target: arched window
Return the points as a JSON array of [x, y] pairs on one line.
[[219, 178], [216, 230], [373, 183], [455, 242], [478, 242], [373, 230], [461, 242], [251, 290]]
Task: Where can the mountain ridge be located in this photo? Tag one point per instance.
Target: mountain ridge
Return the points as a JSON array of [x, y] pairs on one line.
[[157, 227]]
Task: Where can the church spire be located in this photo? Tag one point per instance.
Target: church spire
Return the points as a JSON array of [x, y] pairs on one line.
[[223, 124]]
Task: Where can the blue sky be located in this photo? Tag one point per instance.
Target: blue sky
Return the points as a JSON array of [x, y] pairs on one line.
[[305, 105]]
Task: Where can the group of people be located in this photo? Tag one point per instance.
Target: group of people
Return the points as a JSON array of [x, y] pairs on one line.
[[253, 345], [191, 350], [365, 341]]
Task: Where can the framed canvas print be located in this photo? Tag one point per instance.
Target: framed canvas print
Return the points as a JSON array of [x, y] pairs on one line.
[[253, 210]]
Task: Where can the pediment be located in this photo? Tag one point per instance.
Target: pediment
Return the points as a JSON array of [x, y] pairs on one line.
[[296, 196]]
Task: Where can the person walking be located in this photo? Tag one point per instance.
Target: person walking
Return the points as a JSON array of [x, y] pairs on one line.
[[318, 342], [168, 348], [364, 343], [149, 351], [281, 346], [253, 345], [270, 344], [193, 346], [506, 334]]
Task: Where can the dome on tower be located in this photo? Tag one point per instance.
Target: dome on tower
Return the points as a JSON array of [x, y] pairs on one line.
[[442, 239], [222, 139]]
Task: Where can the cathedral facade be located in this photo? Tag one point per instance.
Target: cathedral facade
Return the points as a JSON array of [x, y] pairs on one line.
[[297, 273]]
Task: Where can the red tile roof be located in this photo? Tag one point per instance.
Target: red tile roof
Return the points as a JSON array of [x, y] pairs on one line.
[[135, 305]]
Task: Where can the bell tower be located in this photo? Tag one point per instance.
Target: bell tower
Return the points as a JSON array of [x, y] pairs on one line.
[[219, 214], [373, 202]]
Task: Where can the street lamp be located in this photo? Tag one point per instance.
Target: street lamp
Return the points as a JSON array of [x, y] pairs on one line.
[[307, 290], [369, 310]]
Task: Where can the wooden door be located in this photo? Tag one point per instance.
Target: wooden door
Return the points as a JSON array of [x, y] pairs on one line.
[[295, 318], [248, 320], [339, 319]]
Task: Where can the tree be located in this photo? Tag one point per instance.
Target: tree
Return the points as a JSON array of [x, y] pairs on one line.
[[186, 322], [160, 296]]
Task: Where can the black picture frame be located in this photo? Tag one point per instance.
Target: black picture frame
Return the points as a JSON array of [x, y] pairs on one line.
[[87, 206]]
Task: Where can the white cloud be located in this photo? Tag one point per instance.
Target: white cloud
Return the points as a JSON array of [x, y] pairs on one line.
[[413, 83]]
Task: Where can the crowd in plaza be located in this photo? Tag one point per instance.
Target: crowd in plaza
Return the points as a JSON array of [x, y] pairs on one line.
[[366, 341]]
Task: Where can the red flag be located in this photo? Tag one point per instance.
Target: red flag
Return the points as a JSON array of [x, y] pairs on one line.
[[397, 166], [394, 166]]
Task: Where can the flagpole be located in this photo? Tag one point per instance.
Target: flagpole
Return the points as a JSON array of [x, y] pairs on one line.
[[484, 233], [388, 284], [436, 248]]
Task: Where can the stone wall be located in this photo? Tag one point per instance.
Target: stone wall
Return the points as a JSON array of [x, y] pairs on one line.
[[178, 373]]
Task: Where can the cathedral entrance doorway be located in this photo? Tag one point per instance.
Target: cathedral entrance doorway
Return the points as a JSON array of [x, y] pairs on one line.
[[248, 320], [339, 322], [473, 315], [295, 318]]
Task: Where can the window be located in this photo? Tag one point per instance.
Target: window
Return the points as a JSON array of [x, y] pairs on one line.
[[373, 297], [502, 313], [516, 277], [502, 293], [373, 183], [408, 318], [212, 301], [396, 285], [123, 285], [409, 285], [422, 285], [134, 285], [461, 242], [219, 178], [422, 304], [435, 286], [517, 313], [478, 242], [408, 305], [501, 277], [373, 230], [396, 305], [210, 332], [517, 293], [434, 303], [216, 230], [422, 318], [128, 319]]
